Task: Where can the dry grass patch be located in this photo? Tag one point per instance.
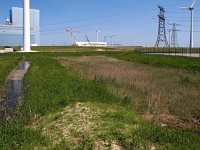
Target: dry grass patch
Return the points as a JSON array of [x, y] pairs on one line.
[[150, 90], [87, 126]]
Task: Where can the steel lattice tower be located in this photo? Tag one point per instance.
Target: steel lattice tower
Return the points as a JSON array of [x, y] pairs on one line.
[[174, 39], [161, 39]]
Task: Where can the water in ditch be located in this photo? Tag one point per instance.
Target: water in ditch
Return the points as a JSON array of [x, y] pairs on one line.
[[13, 90]]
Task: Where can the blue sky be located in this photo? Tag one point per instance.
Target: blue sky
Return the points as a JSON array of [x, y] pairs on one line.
[[134, 21]]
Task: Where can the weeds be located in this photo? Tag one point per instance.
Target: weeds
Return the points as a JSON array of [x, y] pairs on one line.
[[147, 89], [63, 111], [7, 63]]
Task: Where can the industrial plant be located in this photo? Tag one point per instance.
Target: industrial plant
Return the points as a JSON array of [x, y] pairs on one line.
[[11, 31], [22, 28], [99, 75]]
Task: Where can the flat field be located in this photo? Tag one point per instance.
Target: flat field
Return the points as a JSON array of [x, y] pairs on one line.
[[104, 100], [165, 95], [74, 49]]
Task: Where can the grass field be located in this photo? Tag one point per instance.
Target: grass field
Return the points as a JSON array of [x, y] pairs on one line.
[[62, 110], [186, 63], [73, 49], [7, 63], [166, 50], [191, 64], [120, 48], [167, 95]]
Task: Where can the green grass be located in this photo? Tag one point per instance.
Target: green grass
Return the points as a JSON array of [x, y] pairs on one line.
[[57, 87], [58, 48], [49, 88], [67, 49], [7, 63], [166, 50], [187, 63], [18, 137], [145, 88], [192, 64]]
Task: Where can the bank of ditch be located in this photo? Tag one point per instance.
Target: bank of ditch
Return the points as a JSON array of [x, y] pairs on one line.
[[13, 92], [7, 63]]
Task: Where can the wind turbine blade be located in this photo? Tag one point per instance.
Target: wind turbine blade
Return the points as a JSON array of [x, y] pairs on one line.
[[184, 7], [192, 6]]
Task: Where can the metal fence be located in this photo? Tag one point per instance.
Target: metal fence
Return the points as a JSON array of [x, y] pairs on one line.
[[194, 52]]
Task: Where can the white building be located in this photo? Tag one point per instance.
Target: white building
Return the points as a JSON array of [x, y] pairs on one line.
[[91, 44]]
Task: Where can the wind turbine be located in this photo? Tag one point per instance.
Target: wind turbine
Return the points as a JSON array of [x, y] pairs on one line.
[[26, 28], [97, 31], [191, 9]]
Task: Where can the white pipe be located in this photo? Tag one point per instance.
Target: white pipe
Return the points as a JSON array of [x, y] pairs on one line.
[[26, 17]]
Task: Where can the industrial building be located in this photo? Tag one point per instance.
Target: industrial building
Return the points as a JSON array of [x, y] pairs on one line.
[[11, 32], [91, 44]]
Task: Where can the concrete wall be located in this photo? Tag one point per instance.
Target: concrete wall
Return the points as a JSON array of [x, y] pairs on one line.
[[14, 39]]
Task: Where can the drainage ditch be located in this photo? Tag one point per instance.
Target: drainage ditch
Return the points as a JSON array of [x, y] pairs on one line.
[[13, 91]]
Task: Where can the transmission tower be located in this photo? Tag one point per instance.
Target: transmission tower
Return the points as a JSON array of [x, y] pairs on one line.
[[110, 37], [174, 39], [161, 39], [169, 30]]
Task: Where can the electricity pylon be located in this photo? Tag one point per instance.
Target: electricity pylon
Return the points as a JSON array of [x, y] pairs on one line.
[[169, 30], [110, 37], [161, 38], [174, 39]]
